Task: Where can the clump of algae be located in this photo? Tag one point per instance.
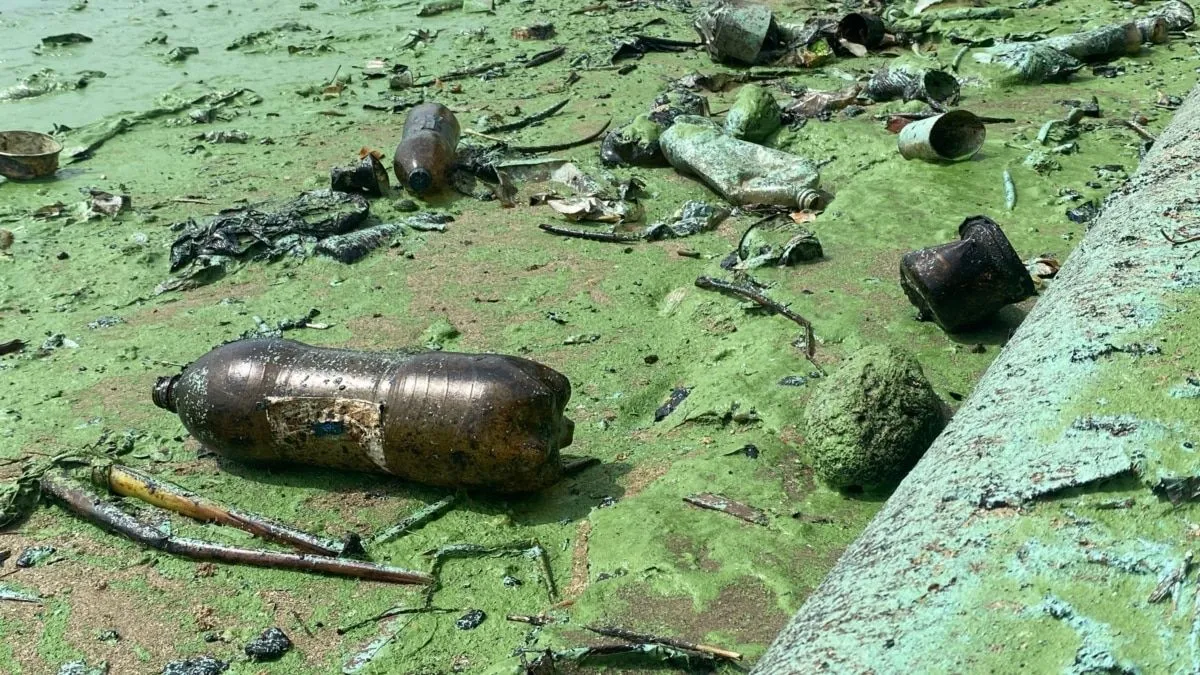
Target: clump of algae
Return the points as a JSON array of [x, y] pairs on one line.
[[872, 419]]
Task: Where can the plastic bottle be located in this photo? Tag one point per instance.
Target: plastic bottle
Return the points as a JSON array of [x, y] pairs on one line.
[[439, 418], [427, 148]]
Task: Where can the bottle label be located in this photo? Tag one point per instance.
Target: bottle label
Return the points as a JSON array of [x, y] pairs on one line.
[[320, 424]]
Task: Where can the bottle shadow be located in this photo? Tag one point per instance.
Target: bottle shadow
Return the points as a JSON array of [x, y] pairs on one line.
[[568, 500]]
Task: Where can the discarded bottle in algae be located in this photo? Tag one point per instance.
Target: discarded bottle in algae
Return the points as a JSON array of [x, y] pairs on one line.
[[446, 419], [427, 148]]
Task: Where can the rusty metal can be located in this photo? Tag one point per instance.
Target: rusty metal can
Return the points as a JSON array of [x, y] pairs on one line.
[[446, 419], [963, 282]]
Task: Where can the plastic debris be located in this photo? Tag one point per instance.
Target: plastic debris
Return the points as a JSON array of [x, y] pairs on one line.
[[754, 115], [691, 218], [271, 645], [741, 172]]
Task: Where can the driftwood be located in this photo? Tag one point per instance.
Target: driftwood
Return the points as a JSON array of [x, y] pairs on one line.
[[997, 553]]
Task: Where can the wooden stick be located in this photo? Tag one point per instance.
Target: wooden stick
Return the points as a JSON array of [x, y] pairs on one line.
[[415, 520], [609, 237], [531, 620], [711, 284], [645, 638], [91, 507], [128, 482], [531, 119], [557, 147]]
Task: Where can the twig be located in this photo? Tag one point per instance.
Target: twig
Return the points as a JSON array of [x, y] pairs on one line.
[[128, 482], [1174, 578], [1138, 129], [545, 57], [609, 237], [335, 74], [389, 613], [303, 626], [723, 504], [531, 119], [558, 147], [926, 115], [415, 520], [472, 132], [462, 72], [959, 57], [541, 620], [711, 284], [1010, 191], [190, 200], [644, 638], [1177, 242], [91, 507]]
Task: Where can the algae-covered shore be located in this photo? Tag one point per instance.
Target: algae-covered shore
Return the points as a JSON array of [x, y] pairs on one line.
[[623, 546]]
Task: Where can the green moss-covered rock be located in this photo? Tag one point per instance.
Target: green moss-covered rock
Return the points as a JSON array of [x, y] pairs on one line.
[[754, 115], [872, 419]]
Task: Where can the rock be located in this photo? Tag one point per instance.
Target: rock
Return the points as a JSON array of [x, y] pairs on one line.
[[871, 421], [201, 665], [754, 115], [271, 645]]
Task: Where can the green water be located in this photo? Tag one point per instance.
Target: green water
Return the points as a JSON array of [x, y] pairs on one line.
[[654, 563]]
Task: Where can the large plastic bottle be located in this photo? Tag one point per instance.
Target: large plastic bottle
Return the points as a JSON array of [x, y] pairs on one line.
[[439, 418], [427, 148]]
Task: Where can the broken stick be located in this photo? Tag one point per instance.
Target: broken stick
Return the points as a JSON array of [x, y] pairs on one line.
[[724, 504], [526, 121], [415, 520], [608, 237], [128, 482], [747, 293], [91, 507], [645, 638]]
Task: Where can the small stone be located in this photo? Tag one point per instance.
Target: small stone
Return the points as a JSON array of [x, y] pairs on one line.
[[510, 581], [271, 645], [201, 665], [871, 421], [34, 555], [651, 359], [62, 255], [470, 620]]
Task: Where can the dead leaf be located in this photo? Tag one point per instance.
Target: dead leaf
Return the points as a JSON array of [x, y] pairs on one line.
[[802, 217]]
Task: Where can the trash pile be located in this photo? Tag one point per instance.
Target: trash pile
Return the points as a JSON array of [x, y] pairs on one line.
[[494, 423]]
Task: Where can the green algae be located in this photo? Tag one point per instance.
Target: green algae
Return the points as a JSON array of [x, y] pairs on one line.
[[476, 276]]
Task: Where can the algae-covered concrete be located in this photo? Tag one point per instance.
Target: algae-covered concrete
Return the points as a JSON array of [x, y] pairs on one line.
[[623, 546], [1051, 527]]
